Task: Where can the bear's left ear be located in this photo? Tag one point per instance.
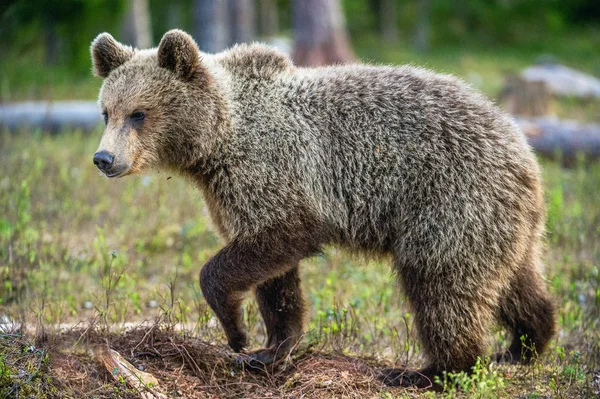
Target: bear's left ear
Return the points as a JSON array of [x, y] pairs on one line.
[[179, 53]]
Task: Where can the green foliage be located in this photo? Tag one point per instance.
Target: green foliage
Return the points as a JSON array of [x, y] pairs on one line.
[[63, 27], [45, 44], [568, 371], [483, 381], [484, 22]]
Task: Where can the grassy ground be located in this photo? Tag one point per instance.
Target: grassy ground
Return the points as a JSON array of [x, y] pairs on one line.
[[77, 247]]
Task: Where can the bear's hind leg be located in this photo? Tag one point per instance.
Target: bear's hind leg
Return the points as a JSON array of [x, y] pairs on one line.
[[282, 308], [452, 319], [528, 311]]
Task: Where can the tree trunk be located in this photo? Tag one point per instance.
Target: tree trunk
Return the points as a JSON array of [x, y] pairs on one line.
[[320, 33], [268, 18], [389, 21], [137, 29], [175, 15], [210, 25], [241, 21], [50, 39], [422, 28], [525, 98]]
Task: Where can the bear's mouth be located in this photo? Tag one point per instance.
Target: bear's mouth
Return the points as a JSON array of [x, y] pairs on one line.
[[117, 172]]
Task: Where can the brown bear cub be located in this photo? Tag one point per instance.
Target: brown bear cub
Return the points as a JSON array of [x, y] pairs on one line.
[[384, 160]]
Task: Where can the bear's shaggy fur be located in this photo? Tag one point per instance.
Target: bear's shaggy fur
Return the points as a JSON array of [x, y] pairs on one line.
[[394, 161]]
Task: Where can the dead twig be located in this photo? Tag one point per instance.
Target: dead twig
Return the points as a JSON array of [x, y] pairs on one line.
[[122, 371]]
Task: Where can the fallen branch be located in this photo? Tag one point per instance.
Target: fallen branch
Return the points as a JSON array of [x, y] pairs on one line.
[[122, 371]]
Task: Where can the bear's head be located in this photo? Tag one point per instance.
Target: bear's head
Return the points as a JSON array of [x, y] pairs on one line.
[[159, 105]]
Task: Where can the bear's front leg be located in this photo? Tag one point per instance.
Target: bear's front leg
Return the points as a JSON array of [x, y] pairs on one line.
[[236, 269], [223, 289]]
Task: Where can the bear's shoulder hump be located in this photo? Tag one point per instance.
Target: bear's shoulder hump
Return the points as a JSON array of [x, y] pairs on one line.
[[256, 60]]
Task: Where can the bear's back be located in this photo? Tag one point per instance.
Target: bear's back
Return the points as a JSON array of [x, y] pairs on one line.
[[380, 152]]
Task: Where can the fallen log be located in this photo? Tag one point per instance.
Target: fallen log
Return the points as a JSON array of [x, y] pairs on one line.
[[564, 139], [563, 81], [549, 136], [50, 116]]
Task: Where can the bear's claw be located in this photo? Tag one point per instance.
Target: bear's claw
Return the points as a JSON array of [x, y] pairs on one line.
[[257, 360], [505, 357], [398, 377]]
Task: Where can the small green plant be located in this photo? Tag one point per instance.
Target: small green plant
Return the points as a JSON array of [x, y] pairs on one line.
[[483, 382], [110, 276], [568, 372]]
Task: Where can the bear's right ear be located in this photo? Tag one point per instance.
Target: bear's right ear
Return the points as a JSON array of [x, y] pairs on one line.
[[108, 54]]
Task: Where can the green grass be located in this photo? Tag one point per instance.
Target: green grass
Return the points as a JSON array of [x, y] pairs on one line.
[[76, 246]]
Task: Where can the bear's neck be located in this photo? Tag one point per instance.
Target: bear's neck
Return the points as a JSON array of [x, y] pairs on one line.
[[217, 152]]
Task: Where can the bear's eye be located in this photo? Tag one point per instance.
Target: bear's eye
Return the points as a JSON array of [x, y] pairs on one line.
[[138, 116], [105, 116]]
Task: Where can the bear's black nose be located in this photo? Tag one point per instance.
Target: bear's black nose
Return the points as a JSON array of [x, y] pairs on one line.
[[103, 160]]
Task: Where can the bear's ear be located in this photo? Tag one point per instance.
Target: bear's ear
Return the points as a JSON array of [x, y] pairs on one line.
[[108, 54], [179, 53]]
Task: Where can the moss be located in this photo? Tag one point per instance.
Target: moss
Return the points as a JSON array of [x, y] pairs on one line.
[[23, 369]]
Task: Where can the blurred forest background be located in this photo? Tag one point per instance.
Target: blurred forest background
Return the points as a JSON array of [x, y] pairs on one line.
[[44, 44]]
